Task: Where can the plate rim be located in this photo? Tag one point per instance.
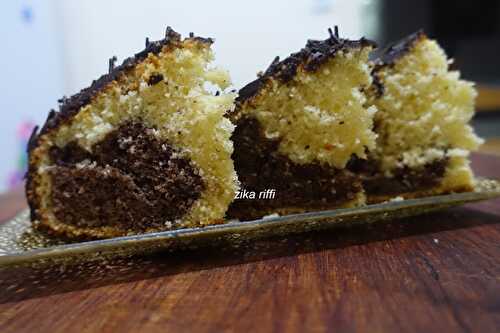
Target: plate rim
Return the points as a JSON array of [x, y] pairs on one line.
[[236, 227]]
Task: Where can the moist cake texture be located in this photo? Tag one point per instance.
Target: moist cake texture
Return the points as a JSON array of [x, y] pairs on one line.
[[300, 123], [424, 137], [144, 148], [147, 147]]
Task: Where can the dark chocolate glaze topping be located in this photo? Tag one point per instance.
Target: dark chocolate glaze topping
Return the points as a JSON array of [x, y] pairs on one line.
[[311, 57], [390, 55], [69, 106], [398, 49]]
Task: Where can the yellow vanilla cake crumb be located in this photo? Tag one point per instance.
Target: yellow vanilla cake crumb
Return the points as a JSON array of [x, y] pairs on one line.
[[320, 116]]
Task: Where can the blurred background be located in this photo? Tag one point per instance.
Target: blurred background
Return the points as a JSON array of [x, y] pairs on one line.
[[51, 48]]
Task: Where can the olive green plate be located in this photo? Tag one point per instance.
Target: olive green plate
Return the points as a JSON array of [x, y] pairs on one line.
[[20, 244]]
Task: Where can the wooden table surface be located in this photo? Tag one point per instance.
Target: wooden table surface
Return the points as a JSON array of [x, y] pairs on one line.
[[434, 273]]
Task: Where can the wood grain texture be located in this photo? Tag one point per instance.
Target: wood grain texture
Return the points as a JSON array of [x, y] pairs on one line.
[[434, 273]]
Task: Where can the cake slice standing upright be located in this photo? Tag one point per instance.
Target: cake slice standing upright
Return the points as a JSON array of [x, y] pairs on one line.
[[422, 123], [144, 148], [299, 124]]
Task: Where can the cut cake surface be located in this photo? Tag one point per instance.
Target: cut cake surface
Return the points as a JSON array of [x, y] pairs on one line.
[[144, 148]]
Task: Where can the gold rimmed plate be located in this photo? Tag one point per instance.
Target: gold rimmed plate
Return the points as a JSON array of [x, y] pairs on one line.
[[21, 245]]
